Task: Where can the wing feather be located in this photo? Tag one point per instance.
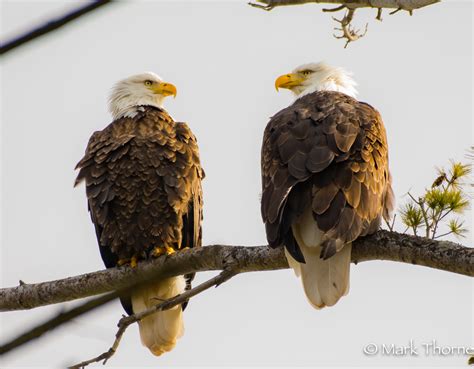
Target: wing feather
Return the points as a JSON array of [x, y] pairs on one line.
[[143, 184], [338, 147]]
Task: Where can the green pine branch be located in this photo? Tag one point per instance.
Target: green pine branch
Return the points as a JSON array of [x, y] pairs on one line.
[[433, 211]]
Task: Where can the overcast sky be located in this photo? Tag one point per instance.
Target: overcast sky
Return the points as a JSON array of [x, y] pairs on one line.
[[224, 57]]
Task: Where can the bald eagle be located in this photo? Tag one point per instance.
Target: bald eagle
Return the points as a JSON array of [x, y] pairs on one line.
[[325, 178], [143, 184]]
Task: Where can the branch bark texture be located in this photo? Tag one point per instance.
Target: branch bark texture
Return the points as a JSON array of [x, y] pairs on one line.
[[383, 245]]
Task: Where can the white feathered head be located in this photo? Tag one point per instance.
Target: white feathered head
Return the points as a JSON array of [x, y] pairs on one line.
[[138, 90], [308, 78]]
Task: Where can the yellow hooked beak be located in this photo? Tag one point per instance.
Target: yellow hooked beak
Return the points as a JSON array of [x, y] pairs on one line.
[[165, 89], [288, 81]]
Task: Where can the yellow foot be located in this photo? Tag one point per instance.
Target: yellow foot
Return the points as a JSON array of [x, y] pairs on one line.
[[132, 262], [123, 262], [162, 250]]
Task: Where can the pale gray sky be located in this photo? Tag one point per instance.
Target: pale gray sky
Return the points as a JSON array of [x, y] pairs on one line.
[[224, 57]]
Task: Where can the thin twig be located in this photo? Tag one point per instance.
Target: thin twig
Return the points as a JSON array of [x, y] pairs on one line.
[[332, 10], [395, 11], [442, 235], [437, 220], [445, 214], [51, 25], [126, 321], [390, 225], [420, 203]]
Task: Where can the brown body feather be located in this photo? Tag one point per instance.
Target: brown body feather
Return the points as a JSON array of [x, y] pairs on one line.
[[143, 185], [326, 151]]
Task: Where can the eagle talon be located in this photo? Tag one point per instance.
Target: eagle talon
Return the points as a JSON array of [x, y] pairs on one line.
[[133, 261], [123, 262], [162, 250]]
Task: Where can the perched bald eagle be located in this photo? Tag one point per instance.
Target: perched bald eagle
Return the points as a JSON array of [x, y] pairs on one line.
[[143, 185], [325, 178]]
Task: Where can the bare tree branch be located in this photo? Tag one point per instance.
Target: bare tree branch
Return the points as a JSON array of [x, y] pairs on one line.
[[408, 5], [348, 32], [126, 321], [383, 245], [50, 26]]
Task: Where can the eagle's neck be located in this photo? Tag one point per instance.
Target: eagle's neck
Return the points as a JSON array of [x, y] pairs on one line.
[[124, 105], [132, 111], [334, 80], [329, 86]]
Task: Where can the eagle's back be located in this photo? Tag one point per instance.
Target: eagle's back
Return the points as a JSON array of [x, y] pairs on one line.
[[328, 151], [142, 178]]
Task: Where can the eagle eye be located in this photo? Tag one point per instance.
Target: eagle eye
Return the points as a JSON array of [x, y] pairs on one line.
[[306, 72], [148, 82]]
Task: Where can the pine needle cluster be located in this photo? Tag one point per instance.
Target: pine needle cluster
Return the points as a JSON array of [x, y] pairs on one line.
[[441, 205]]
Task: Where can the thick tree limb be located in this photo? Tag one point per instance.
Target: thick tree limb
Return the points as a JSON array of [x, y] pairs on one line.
[[383, 245], [126, 321], [50, 26], [232, 260]]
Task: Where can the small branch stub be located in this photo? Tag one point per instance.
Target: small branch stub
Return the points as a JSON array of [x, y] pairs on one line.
[[261, 6], [379, 14]]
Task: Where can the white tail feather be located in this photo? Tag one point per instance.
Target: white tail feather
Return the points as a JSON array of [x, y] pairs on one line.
[[160, 331], [324, 281]]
